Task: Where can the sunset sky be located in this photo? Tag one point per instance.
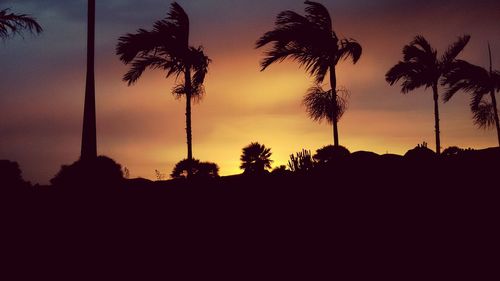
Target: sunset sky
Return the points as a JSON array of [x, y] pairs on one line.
[[42, 81]]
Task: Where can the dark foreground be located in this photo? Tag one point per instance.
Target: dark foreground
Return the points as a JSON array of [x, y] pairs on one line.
[[392, 218]]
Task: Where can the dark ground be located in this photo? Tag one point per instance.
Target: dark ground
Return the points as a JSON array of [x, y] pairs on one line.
[[358, 220]]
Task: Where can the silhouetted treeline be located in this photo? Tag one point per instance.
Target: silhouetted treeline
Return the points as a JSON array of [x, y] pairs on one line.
[[390, 214]]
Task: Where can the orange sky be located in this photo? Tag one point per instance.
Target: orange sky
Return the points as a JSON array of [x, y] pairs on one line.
[[142, 127]]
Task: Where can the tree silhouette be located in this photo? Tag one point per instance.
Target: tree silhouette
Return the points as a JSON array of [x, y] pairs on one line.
[[321, 104], [89, 135], [255, 158], [11, 24], [198, 169], [327, 155], [167, 47], [480, 83], [422, 67], [311, 41]]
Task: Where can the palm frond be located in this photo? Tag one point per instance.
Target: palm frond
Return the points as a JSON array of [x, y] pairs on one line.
[[199, 63], [421, 42], [256, 158], [197, 91], [476, 99], [308, 40], [287, 23], [179, 18], [140, 65], [11, 24], [466, 77], [412, 74], [413, 53], [139, 44], [495, 78], [454, 50], [484, 116], [350, 48], [319, 15], [321, 104], [290, 18]]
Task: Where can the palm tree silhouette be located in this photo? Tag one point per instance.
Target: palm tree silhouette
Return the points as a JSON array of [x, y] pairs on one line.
[[255, 158], [11, 24], [321, 104], [311, 41], [166, 47], [480, 83], [89, 138], [422, 67]]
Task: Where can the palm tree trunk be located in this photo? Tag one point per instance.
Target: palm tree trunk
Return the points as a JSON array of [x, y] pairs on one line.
[[436, 118], [333, 84], [493, 98], [89, 142], [187, 81]]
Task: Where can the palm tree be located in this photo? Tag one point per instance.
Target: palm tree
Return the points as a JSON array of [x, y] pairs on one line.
[[480, 83], [321, 104], [89, 136], [11, 24], [167, 47], [255, 158], [311, 41], [422, 67]]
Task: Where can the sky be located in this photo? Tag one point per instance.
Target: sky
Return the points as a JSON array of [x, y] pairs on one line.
[[142, 127]]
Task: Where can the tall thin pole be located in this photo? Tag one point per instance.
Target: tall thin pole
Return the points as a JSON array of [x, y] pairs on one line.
[[89, 142]]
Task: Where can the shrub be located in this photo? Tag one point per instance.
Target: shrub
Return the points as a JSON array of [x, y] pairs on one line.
[[328, 154], [100, 172], [11, 175], [420, 152], [452, 151], [301, 162], [199, 169], [281, 170]]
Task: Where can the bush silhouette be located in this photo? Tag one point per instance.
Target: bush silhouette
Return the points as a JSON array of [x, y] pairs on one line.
[[420, 153], [281, 170], [92, 173], [199, 169], [364, 156], [11, 175], [330, 153], [452, 151]]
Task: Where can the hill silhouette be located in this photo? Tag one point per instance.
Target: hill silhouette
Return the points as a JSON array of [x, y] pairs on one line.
[[392, 214]]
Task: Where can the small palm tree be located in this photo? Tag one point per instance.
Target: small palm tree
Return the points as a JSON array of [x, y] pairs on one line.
[[482, 85], [321, 104], [421, 67], [311, 41], [166, 47], [11, 24], [255, 158]]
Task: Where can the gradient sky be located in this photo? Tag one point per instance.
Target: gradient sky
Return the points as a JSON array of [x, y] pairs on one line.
[[42, 81]]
